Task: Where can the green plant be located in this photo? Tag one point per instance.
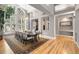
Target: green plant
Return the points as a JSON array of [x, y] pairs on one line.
[[1, 18], [1, 23], [9, 11]]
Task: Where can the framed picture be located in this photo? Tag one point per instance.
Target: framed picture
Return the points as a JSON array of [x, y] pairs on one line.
[[69, 23]]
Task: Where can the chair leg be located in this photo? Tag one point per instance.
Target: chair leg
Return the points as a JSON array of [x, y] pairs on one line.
[[25, 42]]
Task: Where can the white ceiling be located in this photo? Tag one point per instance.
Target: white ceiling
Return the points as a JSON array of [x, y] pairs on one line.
[[59, 7], [27, 7], [63, 7]]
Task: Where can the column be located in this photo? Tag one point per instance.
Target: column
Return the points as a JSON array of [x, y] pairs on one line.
[[51, 22], [76, 24]]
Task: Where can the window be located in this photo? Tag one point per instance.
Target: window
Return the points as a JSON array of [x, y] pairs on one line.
[[16, 22], [45, 23]]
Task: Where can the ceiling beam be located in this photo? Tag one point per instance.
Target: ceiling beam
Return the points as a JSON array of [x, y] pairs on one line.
[[69, 9], [42, 7]]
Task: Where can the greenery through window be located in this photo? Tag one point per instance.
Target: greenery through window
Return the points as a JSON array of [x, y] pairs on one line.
[[14, 21]]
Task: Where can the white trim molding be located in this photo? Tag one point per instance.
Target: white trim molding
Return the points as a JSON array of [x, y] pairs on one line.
[[46, 37]]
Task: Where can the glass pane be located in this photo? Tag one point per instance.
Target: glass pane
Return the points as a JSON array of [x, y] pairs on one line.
[[7, 27], [13, 27], [23, 25], [19, 27], [12, 20], [7, 20], [19, 21]]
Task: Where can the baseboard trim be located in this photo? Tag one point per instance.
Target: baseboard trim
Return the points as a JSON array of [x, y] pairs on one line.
[[10, 33], [76, 44], [46, 37]]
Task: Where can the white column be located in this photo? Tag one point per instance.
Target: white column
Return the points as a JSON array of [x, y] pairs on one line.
[[51, 21], [76, 24]]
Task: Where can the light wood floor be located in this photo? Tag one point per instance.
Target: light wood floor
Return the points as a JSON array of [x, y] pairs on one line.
[[60, 45], [20, 48], [4, 48]]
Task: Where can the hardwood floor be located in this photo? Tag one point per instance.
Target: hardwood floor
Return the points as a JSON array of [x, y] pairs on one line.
[[60, 45], [20, 48], [4, 48]]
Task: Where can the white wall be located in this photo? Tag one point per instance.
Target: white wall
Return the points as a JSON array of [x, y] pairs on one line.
[[38, 15], [51, 32]]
